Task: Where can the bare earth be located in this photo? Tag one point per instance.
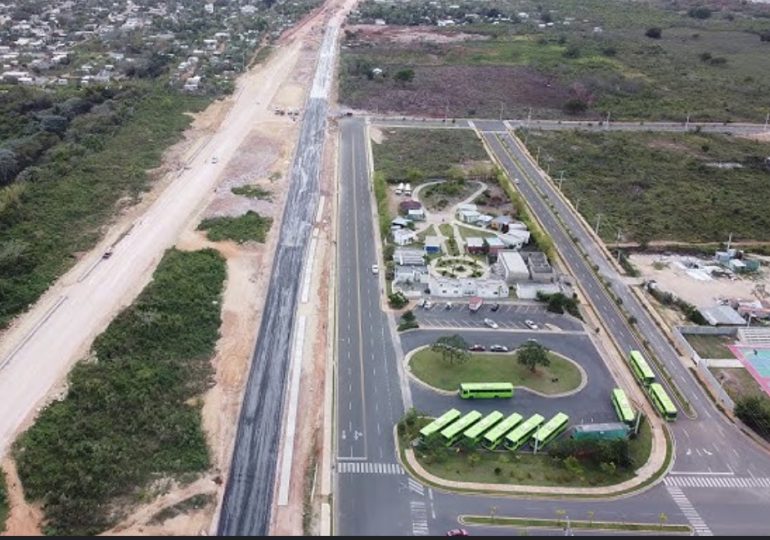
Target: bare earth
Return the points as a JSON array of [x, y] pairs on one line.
[[700, 293], [252, 144], [410, 34]]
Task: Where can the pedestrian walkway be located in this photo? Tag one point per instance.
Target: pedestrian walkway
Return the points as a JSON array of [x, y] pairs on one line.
[[365, 467], [684, 504], [717, 482], [419, 513]]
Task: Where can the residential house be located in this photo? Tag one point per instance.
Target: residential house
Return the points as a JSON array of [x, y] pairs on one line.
[[416, 214], [474, 245], [409, 204], [409, 257], [433, 245], [467, 216], [515, 238], [483, 220], [501, 223], [404, 237], [494, 245]]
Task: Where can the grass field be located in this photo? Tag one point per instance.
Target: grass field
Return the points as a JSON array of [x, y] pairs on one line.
[[737, 382], [430, 367], [540, 469], [596, 54], [3, 502], [132, 411], [249, 226], [465, 232], [415, 155], [711, 346], [649, 186]]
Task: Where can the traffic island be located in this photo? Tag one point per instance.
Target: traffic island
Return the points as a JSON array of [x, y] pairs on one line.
[[566, 524]]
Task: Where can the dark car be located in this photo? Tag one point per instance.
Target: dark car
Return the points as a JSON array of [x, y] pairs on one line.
[[495, 307], [457, 532], [498, 348], [476, 347]]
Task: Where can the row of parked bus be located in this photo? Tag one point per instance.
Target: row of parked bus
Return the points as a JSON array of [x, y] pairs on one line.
[[646, 377], [494, 429]]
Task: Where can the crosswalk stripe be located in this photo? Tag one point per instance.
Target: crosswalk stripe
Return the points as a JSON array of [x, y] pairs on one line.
[[717, 482], [366, 467], [689, 511]]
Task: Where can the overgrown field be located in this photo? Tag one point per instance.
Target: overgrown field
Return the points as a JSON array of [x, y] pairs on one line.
[[3, 502], [691, 187], [249, 226], [598, 57], [414, 155], [79, 160], [131, 414]]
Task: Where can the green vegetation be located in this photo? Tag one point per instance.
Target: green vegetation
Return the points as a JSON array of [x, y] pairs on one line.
[[3, 501], [69, 183], [645, 190], [414, 155], [132, 414], [711, 346], [531, 355], [253, 192], [466, 232], [630, 66], [430, 367], [559, 303], [668, 299], [383, 211], [574, 524], [754, 411], [249, 226], [407, 321], [438, 197], [451, 349], [397, 300], [737, 382], [196, 502]]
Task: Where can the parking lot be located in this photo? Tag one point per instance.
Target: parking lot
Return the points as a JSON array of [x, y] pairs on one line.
[[508, 317]]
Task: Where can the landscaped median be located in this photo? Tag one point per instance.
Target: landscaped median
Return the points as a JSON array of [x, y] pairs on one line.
[[561, 377], [527, 523]]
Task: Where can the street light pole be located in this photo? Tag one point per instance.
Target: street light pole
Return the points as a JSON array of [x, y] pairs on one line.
[[687, 122], [561, 179], [501, 110], [767, 119], [598, 221]]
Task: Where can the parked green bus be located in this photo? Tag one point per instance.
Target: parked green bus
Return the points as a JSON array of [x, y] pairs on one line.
[[662, 402], [439, 423], [494, 436], [486, 390], [641, 368], [522, 433], [552, 429], [451, 434], [473, 434], [623, 407]]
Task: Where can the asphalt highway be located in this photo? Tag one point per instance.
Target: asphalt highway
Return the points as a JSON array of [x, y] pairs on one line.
[[248, 495]]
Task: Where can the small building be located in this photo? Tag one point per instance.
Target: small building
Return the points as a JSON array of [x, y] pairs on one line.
[[470, 207], [528, 290], [400, 223], [474, 245], [416, 214], [409, 204], [494, 245], [404, 237], [539, 268], [501, 223], [609, 431], [409, 257], [483, 220], [467, 287], [433, 245], [513, 266], [722, 316], [515, 238], [410, 275], [467, 216]]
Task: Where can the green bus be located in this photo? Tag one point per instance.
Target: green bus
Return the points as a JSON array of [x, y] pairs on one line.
[[473, 434], [662, 402], [494, 436], [623, 407], [552, 429], [641, 368], [451, 434], [522, 433], [439, 423], [486, 390]]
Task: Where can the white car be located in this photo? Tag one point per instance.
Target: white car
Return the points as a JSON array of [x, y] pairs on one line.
[[375, 269], [490, 323], [530, 324]]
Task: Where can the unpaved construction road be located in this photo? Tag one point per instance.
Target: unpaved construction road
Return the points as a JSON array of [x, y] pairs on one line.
[[247, 503]]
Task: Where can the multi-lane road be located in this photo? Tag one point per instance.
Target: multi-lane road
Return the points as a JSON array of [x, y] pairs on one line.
[[719, 482]]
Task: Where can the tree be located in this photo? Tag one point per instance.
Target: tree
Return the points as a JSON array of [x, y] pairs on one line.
[[453, 349], [9, 166], [533, 354], [654, 33], [575, 106], [662, 518], [404, 76], [700, 12]]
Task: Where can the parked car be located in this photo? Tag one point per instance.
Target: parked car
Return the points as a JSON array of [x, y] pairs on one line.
[[490, 323], [427, 304], [498, 348], [531, 324], [495, 306], [215, 159], [457, 532], [375, 269], [449, 305], [476, 348]]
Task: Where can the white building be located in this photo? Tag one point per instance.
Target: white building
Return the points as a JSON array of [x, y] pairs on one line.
[[459, 288], [404, 237], [513, 266], [515, 238]]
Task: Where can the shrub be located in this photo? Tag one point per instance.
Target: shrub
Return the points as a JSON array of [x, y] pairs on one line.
[[249, 226], [654, 33], [397, 300], [575, 106], [700, 12], [754, 411]]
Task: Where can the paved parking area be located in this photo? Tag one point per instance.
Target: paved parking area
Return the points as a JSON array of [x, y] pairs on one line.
[[508, 317]]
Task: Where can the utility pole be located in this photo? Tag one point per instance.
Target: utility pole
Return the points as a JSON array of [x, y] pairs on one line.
[[561, 179], [598, 221], [638, 421], [617, 242], [529, 117], [608, 119], [537, 159], [501, 110], [729, 241], [687, 123], [577, 205], [446, 110], [767, 119]]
